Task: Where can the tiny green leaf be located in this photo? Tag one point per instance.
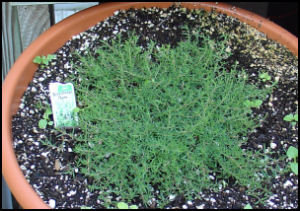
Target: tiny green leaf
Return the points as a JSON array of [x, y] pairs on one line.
[[257, 103], [133, 207], [296, 117], [48, 111], [76, 110], [122, 205], [247, 103], [292, 152], [85, 207], [248, 207], [51, 56], [288, 118], [265, 76], [50, 123], [37, 60], [42, 123], [294, 167], [46, 62], [45, 116]]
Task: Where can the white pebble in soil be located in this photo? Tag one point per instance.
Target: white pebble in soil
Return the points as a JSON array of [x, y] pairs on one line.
[[71, 193], [211, 177], [200, 206], [172, 197], [213, 200], [41, 79], [288, 183], [273, 145], [184, 206], [52, 203], [33, 89], [21, 106]]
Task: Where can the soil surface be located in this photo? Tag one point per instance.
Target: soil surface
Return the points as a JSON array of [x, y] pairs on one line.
[[44, 166]]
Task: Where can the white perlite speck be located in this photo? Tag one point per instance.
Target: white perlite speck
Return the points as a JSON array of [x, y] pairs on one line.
[[273, 145], [71, 193], [45, 154], [33, 89], [52, 203], [21, 106], [172, 197], [211, 177], [287, 184], [200, 206]]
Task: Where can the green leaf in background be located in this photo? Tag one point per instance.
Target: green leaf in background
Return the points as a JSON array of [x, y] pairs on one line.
[[44, 60], [133, 207], [253, 104], [76, 110], [84, 207], [247, 103], [288, 118], [296, 117], [42, 123], [48, 112], [292, 152], [257, 103], [265, 76], [294, 167], [51, 56], [122, 205], [37, 60], [248, 207]]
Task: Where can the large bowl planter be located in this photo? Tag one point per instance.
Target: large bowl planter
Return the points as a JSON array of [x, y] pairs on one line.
[[23, 71]]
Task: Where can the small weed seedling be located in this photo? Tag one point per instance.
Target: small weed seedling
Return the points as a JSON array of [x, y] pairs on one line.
[[292, 153], [253, 104], [43, 59], [123, 205], [291, 118], [46, 119], [248, 207], [85, 208], [264, 77]]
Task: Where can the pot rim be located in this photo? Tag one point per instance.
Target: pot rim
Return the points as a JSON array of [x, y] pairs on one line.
[[16, 81]]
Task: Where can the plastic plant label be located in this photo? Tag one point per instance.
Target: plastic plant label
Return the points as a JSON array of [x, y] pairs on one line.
[[63, 104]]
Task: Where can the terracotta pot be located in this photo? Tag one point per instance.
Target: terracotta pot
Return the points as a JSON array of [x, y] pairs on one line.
[[23, 70]]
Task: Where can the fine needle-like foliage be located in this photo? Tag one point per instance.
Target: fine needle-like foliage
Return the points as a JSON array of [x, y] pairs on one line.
[[165, 119]]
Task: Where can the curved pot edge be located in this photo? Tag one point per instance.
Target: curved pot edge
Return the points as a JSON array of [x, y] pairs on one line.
[[13, 174]]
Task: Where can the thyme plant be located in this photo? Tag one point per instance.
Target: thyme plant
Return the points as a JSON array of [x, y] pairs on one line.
[[165, 119]]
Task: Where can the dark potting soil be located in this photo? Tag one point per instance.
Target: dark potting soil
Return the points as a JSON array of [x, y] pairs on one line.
[[44, 166]]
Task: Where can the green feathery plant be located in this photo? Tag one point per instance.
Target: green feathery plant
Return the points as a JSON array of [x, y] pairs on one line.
[[165, 118]]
